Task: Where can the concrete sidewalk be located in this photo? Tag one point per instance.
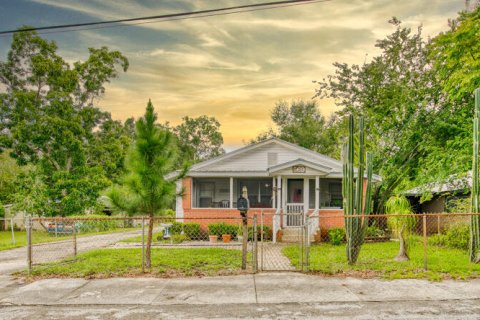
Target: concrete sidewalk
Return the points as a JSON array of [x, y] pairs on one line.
[[267, 295]]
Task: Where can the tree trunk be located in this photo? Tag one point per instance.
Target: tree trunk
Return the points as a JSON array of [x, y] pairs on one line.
[[148, 262], [402, 254]]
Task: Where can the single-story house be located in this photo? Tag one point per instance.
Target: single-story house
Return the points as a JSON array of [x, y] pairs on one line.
[[280, 177], [448, 196], [442, 195]]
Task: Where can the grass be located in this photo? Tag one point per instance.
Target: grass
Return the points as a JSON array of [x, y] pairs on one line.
[[43, 237], [105, 263], [376, 259], [139, 238]]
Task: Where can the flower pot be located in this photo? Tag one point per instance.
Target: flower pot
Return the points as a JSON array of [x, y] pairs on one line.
[[226, 238], [213, 239], [279, 235]]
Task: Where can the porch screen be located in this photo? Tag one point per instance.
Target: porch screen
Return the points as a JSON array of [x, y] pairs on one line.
[[259, 191], [211, 193]]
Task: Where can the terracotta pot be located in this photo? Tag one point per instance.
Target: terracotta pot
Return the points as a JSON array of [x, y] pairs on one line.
[[213, 239], [226, 238], [279, 235]]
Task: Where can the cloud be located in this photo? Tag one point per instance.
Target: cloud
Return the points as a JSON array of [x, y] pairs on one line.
[[235, 67]]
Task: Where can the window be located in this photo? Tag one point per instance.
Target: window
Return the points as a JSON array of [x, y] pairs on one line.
[[211, 193], [331, 193], [259, 191]]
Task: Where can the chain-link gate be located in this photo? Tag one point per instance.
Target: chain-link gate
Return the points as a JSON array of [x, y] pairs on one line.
[[290, 250]]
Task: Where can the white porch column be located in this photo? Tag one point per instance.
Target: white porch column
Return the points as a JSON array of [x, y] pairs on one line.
[[179, 201], [317, 192], [306, 196], [279, 192], [231, 192], [274, 193]]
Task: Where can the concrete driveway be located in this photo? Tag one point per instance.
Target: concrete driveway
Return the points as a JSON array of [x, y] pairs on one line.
[[268, 295], [16, 259]]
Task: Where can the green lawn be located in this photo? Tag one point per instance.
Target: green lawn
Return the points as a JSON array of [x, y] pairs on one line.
[[139, 238], [376, 259], [43, 236], [104, 263]]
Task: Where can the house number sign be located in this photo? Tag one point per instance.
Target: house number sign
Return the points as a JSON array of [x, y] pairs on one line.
[[299, 169]]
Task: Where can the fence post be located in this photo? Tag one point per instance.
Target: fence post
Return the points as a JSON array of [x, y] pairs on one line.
[[424, 242], [255, 243], [29, 243], [13, 232], [245, 241], [307, 243], [143, 244], [261, 240], [74, 230], [56, 232]]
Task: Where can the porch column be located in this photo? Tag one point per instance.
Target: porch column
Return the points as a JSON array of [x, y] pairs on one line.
[[279, 192], [306, 196], [317, 192], [231, 192], [274, 192]]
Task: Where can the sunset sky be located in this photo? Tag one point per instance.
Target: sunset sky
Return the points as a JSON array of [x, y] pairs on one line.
[[233, 67]]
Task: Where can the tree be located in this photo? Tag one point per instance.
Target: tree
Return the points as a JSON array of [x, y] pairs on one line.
[[9, 170], [301, 122], [405, 110], [456, 56], [48, 118], [199, 138], [145, 189], [400, 222]]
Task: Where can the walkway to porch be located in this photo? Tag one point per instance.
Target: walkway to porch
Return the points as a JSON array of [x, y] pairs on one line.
[[273, 258]]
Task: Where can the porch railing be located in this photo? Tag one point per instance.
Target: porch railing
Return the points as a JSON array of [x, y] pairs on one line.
[[294, 214]]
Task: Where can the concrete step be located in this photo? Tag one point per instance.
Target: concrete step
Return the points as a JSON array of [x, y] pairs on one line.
[[293, 235]]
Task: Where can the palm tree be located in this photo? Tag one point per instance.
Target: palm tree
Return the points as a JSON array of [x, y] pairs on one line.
[[145, 188], [401, 222]]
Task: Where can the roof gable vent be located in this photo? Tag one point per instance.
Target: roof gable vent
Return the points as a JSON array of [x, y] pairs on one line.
[[272, 158]]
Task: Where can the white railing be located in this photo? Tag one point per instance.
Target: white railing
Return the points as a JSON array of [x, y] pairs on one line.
[[294, 214]]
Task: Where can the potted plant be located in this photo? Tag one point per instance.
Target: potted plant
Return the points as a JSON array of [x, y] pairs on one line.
[[240, 234], [213, 238], [279, 235], [226, 238]]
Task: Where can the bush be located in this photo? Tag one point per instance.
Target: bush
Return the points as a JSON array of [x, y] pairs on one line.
[[375, 232], [179, 238], [193, 231], [176, 228], [96, 225], [267, 233], [336, 236], [217, 229], [456, 236]]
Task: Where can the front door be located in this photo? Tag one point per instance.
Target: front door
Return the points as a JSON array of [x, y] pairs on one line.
[[295, 196]]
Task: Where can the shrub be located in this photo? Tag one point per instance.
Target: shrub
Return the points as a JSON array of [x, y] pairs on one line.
[[336, 236], [375, 232], [217, 229], [176, 228], [456, 236], [96, 225], [193, 231], [267, 233], [179, 238]]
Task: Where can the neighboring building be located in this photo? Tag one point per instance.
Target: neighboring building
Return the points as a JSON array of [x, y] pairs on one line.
[[280, 177], [443, 195]]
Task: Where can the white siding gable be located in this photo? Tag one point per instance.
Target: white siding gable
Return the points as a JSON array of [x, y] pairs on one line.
[[257, 158]]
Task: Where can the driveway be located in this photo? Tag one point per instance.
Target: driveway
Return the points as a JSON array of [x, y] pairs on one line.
[[268, 296], [15, 259]]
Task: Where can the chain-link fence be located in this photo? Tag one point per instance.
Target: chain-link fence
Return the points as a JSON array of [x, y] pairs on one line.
[[394, 245], [213, 245], [12, 233]]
